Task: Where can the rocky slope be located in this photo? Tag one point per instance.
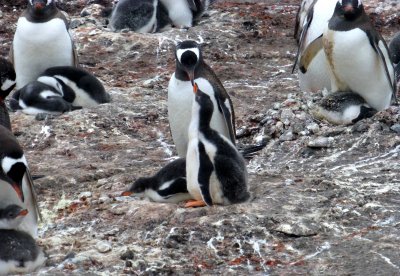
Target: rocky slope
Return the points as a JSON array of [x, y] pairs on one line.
[[325, 198]]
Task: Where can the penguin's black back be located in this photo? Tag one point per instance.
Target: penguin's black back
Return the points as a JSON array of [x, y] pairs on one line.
[[17, 246], [83, 79]]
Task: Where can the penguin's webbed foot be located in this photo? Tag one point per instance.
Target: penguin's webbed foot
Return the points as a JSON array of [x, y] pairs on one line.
[[195, 203]]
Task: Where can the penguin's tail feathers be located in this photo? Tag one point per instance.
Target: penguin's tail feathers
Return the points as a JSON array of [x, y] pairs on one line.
[[249, 151]]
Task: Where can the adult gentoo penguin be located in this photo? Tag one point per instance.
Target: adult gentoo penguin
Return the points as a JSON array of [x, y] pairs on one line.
[[167, 185], [60, 89], [315, 76], [41, 41], [19, 253], [342, 108], [190, 68], [7, 83], [216, 171], [358, 56]]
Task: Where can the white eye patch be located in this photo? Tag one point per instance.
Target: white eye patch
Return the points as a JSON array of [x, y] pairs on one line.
[[180, 52], [7, 84]]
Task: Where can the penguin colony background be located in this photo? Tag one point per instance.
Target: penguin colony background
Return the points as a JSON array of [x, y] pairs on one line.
[[44, 77]]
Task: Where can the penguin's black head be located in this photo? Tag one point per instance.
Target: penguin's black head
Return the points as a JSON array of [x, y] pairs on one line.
[[205, 103], [350, 9], [12, 212], [188, 56], [7, 78], [42, 7]]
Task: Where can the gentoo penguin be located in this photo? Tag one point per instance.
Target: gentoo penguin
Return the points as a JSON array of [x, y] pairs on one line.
[[190, 68], [315, 76], [19, 253], [41, 41], [184, 13], [394, 48], [167, 185], [60, 89], [216, 172], [342, 108], [300, 17], [11, 216], [7, 83], [358, 56], [142, 16], [14, 170]]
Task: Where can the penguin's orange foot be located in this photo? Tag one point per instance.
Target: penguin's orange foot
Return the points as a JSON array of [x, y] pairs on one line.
[[195, 203], [127, 193]]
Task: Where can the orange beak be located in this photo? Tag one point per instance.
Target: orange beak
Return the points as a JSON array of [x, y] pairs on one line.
[[19, 191], [23, 213], [195, 88], [126, 193]]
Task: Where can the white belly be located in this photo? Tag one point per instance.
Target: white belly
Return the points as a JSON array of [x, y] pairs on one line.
[[180, 97], [192, 170], [40, 46], [357, 67], [179, 12]]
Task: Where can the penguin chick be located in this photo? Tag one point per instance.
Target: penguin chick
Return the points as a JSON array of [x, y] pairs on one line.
[[41, 41], [342, 108], [216, 171], [142, 16], [167, 185], [7, 83], [190, 68], [184, 13], [19, 253], [11, 216], [60, 89], [358, 56]]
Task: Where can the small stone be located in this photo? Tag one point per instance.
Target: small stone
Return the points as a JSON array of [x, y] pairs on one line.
[[396, 128], [287, 116], [313, 127], [127, 255], [103, 247], [276, 106], [321, 142], [287, 136], [105, 199], [84, 195]]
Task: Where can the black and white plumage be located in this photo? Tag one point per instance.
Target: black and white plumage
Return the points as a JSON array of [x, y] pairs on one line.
[[60, 89], [300, 17], [11, 215], [312, 22], [358, 56], [7, 84], [342, 108], [394, 48], [14, 171], [143, 16], [216, 171], [19, 253], [41, 41], [167, 185], [190, 68]]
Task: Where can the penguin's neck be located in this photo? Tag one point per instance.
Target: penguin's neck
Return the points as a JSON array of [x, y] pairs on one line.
[[32, 16], [200, 122], [181, 74]]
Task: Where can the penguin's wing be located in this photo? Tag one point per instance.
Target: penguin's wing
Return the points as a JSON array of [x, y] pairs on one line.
[[11, 54], [192, 5], [33, 194], [380, 46], [226, 106], [74, 52], [309, 53], [303, 35]]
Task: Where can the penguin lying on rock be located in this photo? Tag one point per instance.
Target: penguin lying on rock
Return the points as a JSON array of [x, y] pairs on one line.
[[58, 90], [167, 185], [19, 253], [216, 171], [342, 108], [148, 16]]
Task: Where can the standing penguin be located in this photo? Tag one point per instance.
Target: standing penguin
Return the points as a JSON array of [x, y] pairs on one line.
[[19, 253], [394, 47], [41, 41], [190, 68], [216, 171], [358, 56], [60, 89], [7, 83], [167, 185], [315, 76], [184, 13]]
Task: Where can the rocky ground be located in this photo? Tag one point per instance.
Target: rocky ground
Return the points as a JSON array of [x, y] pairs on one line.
[[325, 198]]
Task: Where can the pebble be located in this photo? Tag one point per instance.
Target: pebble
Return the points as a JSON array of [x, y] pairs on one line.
[[103, 247], [105, 199], [396, 128], [313, 127], [85, 195], [321, 142], [287, 136]]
